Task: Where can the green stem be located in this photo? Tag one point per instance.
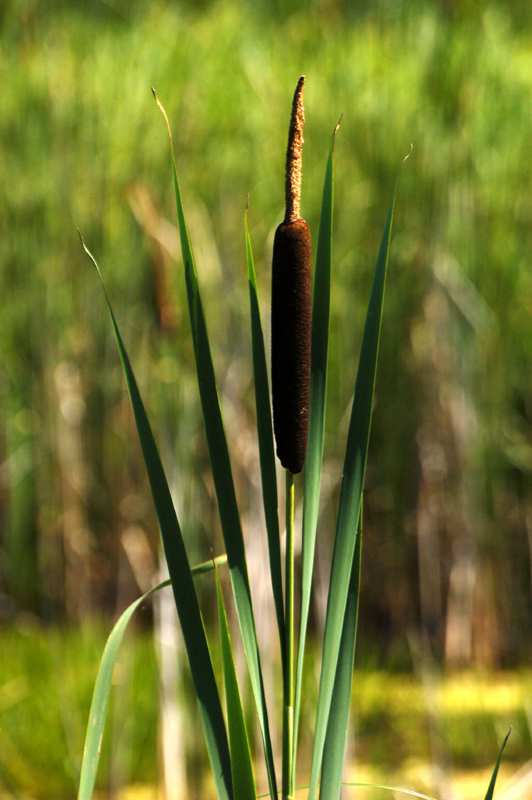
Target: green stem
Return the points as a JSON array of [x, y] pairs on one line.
[[288, 683]]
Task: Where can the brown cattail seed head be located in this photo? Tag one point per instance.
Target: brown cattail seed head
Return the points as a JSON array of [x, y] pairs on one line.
[[291, 310], [291, 316]]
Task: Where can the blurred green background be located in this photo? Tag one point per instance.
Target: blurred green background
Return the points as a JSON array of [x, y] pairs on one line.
[[448, 509]]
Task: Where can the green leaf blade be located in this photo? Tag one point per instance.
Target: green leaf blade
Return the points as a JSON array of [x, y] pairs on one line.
[[241, 763], [100, 698], [491, 787], [102, 687], [266, 445], [182, 583], [318, 391], [223, 479], [230, 519], [350, 499], [336, 737]]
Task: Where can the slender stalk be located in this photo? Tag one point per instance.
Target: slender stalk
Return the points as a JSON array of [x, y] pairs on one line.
[[288, 683]]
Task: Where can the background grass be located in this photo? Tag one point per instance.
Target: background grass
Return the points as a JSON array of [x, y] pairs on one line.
[[81, 144], [448, 508], [47, 687], [47, 684]]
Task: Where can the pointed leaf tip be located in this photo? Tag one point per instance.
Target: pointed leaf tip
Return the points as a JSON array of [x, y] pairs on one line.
[[491, 787], [408, 154]]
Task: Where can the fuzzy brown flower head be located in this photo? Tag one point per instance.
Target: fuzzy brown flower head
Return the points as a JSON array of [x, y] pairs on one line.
[[291, 317], [291, 308]]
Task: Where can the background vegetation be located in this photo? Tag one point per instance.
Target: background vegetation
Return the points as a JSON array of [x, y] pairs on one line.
[[448, 511]]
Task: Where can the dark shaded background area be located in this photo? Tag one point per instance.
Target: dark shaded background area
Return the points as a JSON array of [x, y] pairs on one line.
[[448, 509]]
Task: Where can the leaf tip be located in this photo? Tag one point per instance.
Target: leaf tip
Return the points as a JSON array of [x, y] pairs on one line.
[[165, 118], [335, 131], [88, 252], [408, 154]]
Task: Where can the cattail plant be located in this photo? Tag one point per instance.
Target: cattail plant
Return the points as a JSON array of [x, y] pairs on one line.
[[291, 309], [300, 329]]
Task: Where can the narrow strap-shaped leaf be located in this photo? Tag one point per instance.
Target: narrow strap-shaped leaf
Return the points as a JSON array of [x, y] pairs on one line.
[[100, 699], [491, 787], [241, 763], [336, 738], [388, 789], [318, 390], [182, 584], [350, 499], [230, 519], [266, 446], [361, 785], [223, 477], [102, 687]]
